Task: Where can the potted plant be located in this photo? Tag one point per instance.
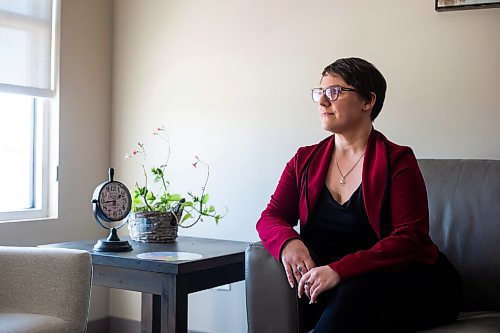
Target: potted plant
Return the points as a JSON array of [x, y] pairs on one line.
[[157, 212]]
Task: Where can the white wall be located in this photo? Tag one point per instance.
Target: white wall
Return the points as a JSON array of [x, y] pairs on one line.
[[231, 79], [84, 139]]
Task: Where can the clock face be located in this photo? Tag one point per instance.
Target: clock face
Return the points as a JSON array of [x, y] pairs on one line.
[[115, 201]]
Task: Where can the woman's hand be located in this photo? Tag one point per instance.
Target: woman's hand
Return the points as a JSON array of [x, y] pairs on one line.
[[317, 280], [296, 260]]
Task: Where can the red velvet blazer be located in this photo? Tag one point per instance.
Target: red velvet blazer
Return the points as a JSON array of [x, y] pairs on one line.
[[401, 221]]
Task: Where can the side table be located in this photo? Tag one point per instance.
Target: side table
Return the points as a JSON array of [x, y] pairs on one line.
[[165, 284]]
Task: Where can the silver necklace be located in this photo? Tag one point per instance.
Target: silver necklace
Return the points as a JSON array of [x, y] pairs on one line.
[[343, 177]]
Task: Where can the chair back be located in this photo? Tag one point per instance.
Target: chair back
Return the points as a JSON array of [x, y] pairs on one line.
[[47, 281]]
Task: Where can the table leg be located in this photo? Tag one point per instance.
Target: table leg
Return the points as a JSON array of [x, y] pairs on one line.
[[150, 313], [174, 305], [146, 313], [166, 312]]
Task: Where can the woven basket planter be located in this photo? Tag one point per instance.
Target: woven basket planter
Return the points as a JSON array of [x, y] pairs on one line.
[[153, 227]]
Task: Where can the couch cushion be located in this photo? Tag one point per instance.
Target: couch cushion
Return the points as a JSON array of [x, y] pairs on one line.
[[471, 322], [31, 323], [464, 204]]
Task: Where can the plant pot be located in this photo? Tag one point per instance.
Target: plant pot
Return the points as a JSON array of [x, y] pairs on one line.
[[153, 227]]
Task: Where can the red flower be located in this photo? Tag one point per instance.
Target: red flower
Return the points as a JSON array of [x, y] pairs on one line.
[[196, 160]]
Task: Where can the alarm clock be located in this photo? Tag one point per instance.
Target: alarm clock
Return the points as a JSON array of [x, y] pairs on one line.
[[111, 202]]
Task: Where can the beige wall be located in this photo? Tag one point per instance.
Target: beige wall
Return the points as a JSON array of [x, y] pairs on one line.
[[84, 118], [231, 79]]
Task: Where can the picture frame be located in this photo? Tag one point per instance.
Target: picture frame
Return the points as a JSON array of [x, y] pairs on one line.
[[447, 5]]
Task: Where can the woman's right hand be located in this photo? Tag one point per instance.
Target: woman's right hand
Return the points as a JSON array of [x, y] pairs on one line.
[[296, 260]]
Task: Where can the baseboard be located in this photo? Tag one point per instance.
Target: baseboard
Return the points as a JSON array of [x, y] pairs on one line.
[[116, 325], [98, 325]]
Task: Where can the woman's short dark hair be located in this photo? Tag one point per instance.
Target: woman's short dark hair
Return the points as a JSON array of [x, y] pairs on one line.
[[363, 76]]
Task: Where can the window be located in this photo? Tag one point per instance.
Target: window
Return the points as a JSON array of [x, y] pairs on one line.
[[27, 49]]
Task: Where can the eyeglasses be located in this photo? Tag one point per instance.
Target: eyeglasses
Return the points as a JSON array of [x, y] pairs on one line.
[[331, 92]]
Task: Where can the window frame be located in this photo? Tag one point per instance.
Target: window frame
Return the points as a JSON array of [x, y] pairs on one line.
[[45, 147], [39, 167]]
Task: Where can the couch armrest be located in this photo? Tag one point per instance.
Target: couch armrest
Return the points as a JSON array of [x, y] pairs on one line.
[[271, 303]]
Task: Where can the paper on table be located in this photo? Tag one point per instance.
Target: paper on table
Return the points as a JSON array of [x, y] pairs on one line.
[[169, 256]]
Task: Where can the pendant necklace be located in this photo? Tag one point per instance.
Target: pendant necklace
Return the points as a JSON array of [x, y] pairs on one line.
[[343, 177]]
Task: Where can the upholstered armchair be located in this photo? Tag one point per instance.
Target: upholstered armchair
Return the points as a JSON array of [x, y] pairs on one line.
[[464, 204], [44, 290]]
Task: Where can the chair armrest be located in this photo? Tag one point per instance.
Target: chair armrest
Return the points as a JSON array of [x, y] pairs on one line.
[[53, 282], [271, 304]]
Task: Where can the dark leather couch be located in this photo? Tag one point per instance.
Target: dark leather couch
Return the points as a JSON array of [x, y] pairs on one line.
[[464, 202]]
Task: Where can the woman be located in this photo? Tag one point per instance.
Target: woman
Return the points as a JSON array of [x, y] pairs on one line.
[[364, 260]]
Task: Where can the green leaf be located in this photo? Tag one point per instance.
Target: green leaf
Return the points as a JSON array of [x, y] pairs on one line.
[[211, 209], [137, 200], [187, 204], [185, 217], [217, 218], [157, 171], [175, 197], [204, 198], [150, 196]]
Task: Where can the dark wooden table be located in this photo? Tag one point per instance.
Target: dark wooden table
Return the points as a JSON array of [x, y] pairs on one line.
[[166, 285]]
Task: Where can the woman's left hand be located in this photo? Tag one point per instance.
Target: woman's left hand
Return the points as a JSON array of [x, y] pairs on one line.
[[317, 280]]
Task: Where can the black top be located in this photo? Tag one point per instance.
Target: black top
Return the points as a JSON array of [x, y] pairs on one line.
[[335, 230]]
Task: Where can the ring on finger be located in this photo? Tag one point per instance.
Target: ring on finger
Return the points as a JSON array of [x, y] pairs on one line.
[[307, 283], [299, 269]]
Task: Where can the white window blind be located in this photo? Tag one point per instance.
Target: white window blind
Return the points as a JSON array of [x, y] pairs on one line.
[[26, 47]]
